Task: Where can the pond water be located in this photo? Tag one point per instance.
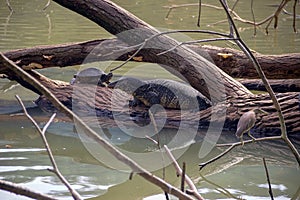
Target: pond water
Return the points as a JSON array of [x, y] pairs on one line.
[[23, 158]]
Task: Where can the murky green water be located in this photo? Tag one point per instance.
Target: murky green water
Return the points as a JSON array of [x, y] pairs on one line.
[[24, 160]]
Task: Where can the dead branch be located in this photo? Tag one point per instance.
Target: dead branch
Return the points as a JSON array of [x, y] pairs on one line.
[[268, 179], [9, 6], [20, 190], [233, 145], [42, 133], [218, 187], [267, 20], [188, 180]]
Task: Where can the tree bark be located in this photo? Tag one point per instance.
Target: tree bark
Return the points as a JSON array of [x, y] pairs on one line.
[[278, 85], [105, 107], [237, 65], [185, 63]]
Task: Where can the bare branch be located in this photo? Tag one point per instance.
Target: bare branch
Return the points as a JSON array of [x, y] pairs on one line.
[[294, 16], [183, 177], [188, 180], [219, 188], [9, 6], [55, 169], [20, 190], [253, 17], [47, 5], [268, 179], [233, 145], [143, 44], [199, 13]]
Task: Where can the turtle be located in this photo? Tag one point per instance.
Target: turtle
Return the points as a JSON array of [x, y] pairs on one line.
[[168, 93], [91, 76]]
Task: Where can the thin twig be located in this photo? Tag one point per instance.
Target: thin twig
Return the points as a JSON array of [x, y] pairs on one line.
[[194, 42], [219, 188], [9, 6], [268, 179], [157, 142], [47, 5], [90, 132], [199, 13], [188, 180], [267, 20], [253, 17], [294, 16], [182, 177], [143, 44], [55, 169]]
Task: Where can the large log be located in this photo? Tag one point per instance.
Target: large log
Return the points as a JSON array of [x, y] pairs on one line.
[[90, 101], [237, 65]]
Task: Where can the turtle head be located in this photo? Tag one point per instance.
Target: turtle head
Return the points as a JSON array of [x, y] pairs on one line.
[[127, 84], [105, 78]]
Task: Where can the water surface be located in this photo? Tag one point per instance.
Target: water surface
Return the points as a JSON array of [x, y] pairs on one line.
[[23, 158]]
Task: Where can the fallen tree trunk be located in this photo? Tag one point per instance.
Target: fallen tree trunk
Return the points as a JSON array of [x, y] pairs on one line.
[[281, 85], [236, 64], [98, 101]]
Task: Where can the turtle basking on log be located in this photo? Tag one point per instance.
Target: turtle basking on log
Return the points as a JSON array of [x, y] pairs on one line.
[[91, 76], [168, 93]]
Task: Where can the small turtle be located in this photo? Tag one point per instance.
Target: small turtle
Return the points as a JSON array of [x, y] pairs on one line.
[[91, 76], [167, 93]]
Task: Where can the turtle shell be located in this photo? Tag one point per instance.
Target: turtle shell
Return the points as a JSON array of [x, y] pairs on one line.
[[91, 76]]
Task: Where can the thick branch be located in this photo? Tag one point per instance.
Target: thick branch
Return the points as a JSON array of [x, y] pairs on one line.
[[236, 64]]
